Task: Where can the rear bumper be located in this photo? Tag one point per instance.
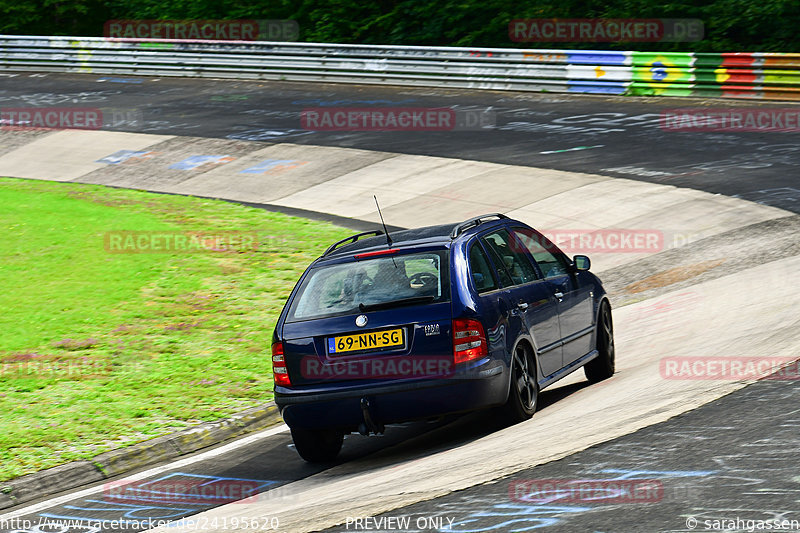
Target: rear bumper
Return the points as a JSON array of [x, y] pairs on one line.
[[392, 402]]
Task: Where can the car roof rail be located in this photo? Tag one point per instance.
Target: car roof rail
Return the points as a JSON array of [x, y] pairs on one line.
[[351, 239], [477, 221]]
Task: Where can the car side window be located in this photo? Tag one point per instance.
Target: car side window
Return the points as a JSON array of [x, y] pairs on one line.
[[544, 253], [481, 270], [510, 257]]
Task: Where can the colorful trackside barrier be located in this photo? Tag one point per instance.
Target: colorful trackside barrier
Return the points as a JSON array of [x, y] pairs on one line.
[[773, 76]]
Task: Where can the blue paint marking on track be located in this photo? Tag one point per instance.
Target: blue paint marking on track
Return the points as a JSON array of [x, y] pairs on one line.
[[517, 517], [172, 496], [120, 156], [650, 474], [271, 164], [548, 511], [195, 161]]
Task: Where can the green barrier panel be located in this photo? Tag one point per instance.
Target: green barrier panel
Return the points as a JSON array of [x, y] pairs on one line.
[[708, 61], [661, 70]]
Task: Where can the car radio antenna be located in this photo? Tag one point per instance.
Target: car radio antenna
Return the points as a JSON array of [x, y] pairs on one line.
[[385, 231]]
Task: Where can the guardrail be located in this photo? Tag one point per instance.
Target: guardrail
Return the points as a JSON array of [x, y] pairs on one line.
[[730, 75]]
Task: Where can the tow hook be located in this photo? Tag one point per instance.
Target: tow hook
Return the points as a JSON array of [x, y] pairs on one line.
[[369, 425]]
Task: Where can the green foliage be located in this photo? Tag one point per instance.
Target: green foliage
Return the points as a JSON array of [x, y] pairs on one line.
[[731, 25]]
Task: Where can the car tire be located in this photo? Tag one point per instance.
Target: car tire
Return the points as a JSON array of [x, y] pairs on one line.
[[317, 445], [523, 398], [603, 366]]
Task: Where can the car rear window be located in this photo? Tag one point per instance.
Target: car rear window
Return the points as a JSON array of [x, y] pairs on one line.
[[340, 289]]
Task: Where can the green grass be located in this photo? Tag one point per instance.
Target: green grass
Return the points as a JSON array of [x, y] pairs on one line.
[[100, 350]]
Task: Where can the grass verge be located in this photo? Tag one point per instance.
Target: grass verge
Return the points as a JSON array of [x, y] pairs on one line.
[[100, 350]]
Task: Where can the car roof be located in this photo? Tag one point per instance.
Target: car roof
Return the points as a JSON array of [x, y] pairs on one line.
[[439, 234], [424, 235]]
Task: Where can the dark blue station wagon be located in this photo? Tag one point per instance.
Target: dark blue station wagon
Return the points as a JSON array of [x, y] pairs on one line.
[[421, 323]]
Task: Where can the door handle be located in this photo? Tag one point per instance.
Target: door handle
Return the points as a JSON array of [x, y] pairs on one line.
[[559, 295], [522, 306]]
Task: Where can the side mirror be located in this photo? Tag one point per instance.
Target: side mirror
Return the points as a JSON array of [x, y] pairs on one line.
[[581, 262]]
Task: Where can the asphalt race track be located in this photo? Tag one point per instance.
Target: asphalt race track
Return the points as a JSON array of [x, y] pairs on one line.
[[731, 458], [266, 464], [613, 136]]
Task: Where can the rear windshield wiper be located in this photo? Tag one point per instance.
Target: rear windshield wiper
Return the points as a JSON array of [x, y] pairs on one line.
[[396, 303]]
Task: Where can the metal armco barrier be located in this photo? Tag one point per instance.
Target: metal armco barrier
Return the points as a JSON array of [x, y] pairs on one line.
[[729, 75]]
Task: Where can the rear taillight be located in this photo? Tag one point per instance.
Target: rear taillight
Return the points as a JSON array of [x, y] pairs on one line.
[[469, 340], [279, 366]]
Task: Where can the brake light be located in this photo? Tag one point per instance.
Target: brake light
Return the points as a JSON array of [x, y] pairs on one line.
[[373, 254], [469, 340], [279, 370]]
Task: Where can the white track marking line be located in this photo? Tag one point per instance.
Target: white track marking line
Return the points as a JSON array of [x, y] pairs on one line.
[[147, 473]]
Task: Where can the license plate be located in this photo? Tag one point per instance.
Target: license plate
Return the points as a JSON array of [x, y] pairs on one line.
[[376, 340]]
